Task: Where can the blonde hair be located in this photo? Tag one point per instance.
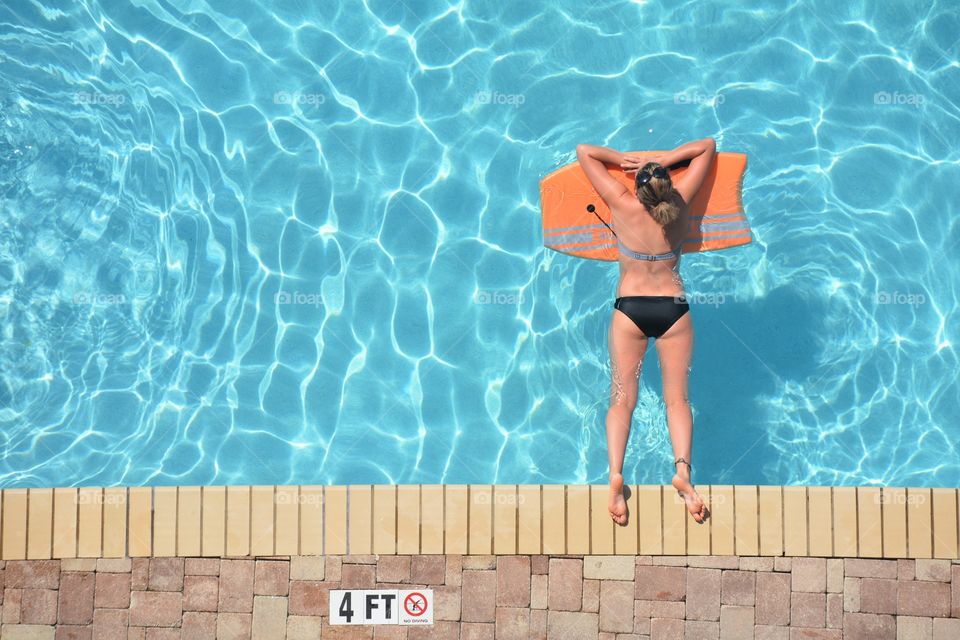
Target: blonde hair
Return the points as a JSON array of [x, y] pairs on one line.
[[659, 196]]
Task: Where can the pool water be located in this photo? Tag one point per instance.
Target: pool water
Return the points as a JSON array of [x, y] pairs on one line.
[[300, 242]]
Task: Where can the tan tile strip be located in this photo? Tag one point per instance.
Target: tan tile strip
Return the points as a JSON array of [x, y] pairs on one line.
[[746, 520]]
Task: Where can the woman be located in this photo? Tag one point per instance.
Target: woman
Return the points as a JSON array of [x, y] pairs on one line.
[[650, 225]]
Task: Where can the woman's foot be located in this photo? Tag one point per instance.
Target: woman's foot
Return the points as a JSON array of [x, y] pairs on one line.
[[696, 507], [618, 506]]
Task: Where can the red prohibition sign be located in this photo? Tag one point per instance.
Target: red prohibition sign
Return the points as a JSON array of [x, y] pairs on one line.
[[413, 606]]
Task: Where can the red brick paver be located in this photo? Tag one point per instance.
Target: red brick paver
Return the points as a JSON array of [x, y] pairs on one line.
[[486, 597]]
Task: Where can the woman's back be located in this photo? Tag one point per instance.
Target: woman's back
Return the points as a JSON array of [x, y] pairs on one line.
[[638, 231]]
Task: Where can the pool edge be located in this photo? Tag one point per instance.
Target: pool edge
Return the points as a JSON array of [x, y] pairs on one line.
[[556, 519]]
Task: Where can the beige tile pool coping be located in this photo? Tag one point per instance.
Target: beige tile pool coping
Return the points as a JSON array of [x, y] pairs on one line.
[[232, 521]]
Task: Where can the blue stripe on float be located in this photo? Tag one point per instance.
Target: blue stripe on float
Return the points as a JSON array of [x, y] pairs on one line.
[[705, 238], [713, 216], [732, 236], [587, 247], [705, 219], [574, 238], [610, 245], [576, 228]]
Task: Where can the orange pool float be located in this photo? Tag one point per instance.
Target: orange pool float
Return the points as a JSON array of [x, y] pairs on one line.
[[717, 220]]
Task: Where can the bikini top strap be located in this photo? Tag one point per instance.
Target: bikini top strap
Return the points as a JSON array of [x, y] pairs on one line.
[[624, 249]]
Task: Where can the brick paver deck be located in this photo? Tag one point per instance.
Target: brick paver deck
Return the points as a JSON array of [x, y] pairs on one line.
[[486, 596]]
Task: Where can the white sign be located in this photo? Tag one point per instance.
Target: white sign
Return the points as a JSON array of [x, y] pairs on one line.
[[381, 606], [416, 607]]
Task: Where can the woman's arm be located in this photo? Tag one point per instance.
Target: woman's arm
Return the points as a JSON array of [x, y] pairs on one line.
[[687, 151], [603, 154], [701, 154], [592, 161]]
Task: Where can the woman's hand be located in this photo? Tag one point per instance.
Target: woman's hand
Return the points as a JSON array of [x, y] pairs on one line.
[[633, 162], [659, 157]]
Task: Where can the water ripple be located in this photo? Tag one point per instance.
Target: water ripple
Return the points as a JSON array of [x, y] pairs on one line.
[[247, 243]]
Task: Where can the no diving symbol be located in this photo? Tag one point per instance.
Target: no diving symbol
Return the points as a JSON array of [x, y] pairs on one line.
[[415, 604]]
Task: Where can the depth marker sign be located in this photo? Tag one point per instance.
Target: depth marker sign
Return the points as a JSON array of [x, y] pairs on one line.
[[381, 606], [415, 608]]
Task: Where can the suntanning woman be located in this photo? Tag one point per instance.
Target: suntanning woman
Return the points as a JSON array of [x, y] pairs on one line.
[[650, 223]]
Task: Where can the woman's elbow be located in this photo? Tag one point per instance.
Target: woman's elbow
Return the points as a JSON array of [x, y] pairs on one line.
[[584, 150]]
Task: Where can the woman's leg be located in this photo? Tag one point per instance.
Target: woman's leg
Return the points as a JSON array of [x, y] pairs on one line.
[[627, 347], [675, 349]]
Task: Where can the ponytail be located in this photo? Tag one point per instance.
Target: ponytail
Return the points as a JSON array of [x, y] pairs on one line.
[[665, 212], [659, 197]]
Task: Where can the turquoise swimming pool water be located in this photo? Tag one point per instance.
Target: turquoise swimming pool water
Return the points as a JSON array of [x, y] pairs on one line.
[[299, 242]]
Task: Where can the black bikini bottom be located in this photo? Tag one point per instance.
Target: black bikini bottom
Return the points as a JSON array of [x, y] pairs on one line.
[[653, 315]]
